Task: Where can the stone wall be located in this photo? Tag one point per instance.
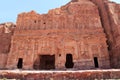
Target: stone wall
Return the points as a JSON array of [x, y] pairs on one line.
[[109, 74]]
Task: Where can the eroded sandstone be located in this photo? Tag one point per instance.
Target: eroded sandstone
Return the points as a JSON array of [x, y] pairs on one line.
[[83, 34], [6, 31]]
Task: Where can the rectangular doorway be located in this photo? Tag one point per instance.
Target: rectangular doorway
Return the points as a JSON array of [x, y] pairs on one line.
[[69, 61], [20, 63], [96, 62], [47, 62]]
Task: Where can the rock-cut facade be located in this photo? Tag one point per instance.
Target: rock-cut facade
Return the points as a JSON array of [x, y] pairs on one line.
[[83, 34]]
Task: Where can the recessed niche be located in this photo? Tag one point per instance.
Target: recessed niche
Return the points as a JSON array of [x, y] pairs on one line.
[[35, 21], [59, 55]]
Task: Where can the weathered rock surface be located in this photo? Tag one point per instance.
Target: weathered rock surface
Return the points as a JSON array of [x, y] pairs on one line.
[[110, 13], [114, 46], [75, 29], [6, 31], [83, 34]]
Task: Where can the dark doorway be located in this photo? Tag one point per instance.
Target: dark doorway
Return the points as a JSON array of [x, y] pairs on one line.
[[47, 62], [69, 61], [20, 63], [96, 62]]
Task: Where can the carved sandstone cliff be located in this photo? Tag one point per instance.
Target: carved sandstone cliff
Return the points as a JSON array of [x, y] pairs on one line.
[[110, 13], [83, 34], [73, 30]]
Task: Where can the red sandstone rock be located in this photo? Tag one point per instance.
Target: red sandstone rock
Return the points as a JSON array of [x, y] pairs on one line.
[[61, 75], [114, 14], [6, 31], [72, 29], [78, 34]]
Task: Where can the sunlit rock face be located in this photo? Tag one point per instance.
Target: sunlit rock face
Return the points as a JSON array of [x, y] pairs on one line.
[[6, 31], [77, 35], [114, 17]]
